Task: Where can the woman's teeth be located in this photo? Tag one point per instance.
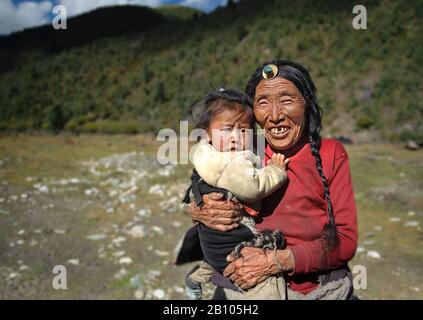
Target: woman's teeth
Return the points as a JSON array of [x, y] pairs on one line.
[[279, 130]]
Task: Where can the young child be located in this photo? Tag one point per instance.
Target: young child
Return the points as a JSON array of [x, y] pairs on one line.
[[223, 163]]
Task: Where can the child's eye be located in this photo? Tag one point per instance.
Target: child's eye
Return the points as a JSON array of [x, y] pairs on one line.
[[226, 129]]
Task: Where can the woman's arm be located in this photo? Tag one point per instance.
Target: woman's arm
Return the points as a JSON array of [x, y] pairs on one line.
[[217, 213]]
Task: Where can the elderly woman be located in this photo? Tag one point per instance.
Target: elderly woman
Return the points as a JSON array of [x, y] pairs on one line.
[[315, 210]]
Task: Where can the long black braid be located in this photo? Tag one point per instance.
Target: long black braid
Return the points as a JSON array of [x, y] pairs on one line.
[[301, 78]]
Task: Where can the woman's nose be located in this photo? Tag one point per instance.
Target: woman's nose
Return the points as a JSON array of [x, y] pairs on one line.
[[276, 114]]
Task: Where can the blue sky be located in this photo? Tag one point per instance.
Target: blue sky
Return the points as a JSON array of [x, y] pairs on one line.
[[16, 15]]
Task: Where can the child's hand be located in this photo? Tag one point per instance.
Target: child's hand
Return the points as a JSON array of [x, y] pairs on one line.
[[279, 160]]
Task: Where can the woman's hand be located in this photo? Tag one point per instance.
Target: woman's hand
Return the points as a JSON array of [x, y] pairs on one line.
[[217, 213], [256, 265]]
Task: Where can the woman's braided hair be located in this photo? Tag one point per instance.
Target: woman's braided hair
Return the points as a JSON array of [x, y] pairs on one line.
[[300, 77]]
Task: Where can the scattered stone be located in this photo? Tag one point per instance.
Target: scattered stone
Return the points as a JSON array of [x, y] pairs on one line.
[[395, 219], [14, 275], [121, 274], [178, 289], [144, 212], [137, 231], [125, 260], [158, 230], [378, 228], [135, 281], [110, 210], [157, 189], [20, 232], [368, 242], [20, 242], [38, 231], [153, 275], [96, 237], [411, 224], [59, 231], [373, 254], [176, 224], [139, 294], [411, 213], [159, 293], [360, 249], [33, 243], [161, 253], [118, 254], [23, 268], [117, 241], [412, 145], [75, 262]]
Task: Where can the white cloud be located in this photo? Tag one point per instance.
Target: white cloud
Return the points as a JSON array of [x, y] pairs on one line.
[[25, 14], [75, 7], [31, 13], [205, 5]]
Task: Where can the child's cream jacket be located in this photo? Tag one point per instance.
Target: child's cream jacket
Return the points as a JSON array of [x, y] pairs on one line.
[[238, 172]]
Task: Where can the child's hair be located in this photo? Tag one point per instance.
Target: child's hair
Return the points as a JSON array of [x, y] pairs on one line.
[[217, 101]]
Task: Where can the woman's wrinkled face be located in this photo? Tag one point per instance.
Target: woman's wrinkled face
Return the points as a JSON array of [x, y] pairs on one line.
[[279, 108], [230, 130]]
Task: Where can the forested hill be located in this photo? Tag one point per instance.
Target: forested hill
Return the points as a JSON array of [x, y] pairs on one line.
[[136, 69]]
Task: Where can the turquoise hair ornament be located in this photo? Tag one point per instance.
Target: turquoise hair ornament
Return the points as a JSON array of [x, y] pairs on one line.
[[269, 71]]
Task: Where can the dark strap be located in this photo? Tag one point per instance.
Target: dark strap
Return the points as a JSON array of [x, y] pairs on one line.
[[221, 281]]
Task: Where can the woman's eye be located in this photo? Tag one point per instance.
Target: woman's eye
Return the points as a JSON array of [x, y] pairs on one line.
[[287, 101]]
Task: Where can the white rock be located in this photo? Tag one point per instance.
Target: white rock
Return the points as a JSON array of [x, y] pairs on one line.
[[158, 230], [43, 189], [137, 231], [20, 232], [139, 294], [411, 224], [118, 254], [159, 293], [125, 260], [121, 274], [161, 253], [411, 213], [20, 242], [2, 200], [73, 261], [23, 268], [144, 212], [176, 224], [110, 210], [119, 240], [38, 231], [373, 254], [360, 249], [378, 228], [33, 243], [395, 219], [13, 198], [96, 237], [59, 231], [14, 275], [179, 289], [157, 189]]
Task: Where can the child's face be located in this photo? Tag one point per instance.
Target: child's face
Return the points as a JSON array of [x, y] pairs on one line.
[[230, 130]]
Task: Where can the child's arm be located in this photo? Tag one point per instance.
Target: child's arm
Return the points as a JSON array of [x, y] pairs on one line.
[[250, 184]]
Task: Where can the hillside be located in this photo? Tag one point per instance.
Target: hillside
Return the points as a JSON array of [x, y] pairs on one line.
[[135, 69]]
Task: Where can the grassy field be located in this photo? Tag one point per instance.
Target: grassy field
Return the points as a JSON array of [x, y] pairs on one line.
[[103, 207]]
